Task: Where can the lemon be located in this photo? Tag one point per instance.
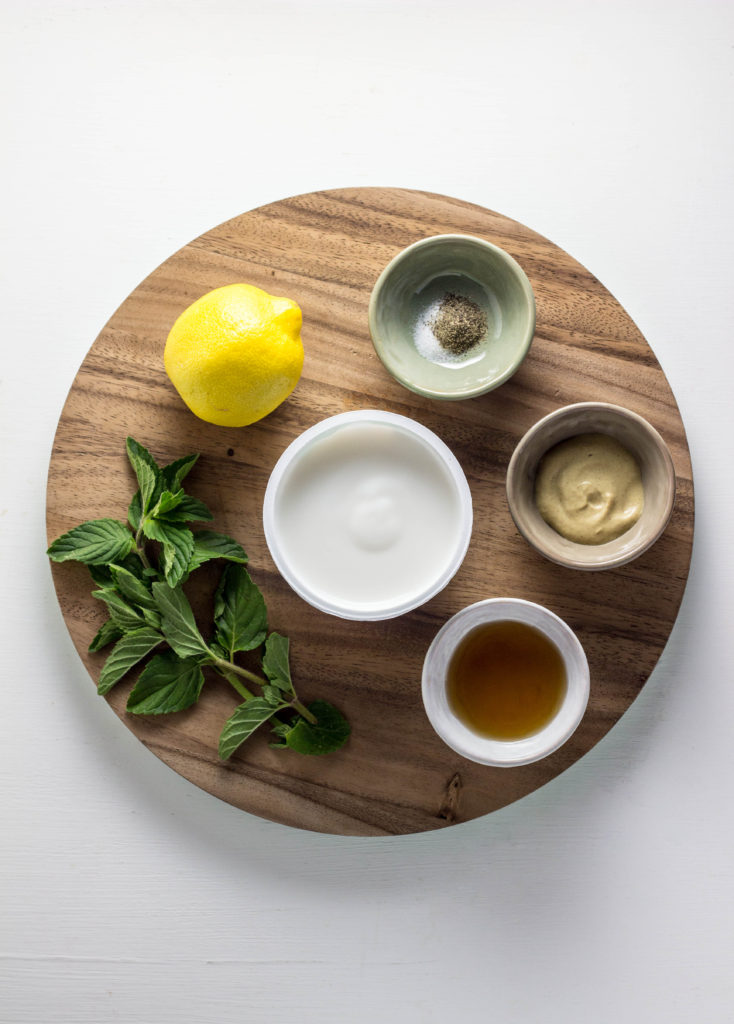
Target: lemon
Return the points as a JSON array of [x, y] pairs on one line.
[[235, 354]]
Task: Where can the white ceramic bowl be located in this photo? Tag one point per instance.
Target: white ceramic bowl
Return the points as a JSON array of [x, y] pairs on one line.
[[335, 522], [504, 753]]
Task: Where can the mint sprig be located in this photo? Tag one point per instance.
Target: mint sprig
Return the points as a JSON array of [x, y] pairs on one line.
[[149, 614]]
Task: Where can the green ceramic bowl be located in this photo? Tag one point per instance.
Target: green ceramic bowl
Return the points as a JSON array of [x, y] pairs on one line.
[[406, 300]]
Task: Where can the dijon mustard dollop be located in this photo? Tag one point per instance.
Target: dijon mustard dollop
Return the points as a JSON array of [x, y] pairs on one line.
[[589, 489]]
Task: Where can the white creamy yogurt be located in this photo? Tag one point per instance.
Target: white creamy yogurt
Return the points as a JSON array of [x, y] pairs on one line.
[[367, 515]]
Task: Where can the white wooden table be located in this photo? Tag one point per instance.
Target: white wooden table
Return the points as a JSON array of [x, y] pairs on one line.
[[129, 895]]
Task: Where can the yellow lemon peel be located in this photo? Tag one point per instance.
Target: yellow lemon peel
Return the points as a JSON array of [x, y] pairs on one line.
[[235, 354]]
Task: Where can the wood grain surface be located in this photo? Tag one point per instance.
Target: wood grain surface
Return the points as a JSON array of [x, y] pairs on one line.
[[325, 251]]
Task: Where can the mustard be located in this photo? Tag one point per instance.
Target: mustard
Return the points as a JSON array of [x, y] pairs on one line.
[[589, 489]]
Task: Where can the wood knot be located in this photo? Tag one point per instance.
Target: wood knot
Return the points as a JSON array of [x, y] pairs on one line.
[[450, 804]]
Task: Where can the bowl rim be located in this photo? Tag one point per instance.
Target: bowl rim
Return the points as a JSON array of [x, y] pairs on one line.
[[471, 241], [615, 558], [381, 612], [505, 753]]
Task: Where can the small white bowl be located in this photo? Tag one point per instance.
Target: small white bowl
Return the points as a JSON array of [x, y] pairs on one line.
[[504, 753], [336, 515]]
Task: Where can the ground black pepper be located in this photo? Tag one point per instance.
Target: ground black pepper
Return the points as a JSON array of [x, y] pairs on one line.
[[459, 324]]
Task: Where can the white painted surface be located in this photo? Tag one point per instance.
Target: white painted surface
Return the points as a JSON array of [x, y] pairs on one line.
[[128, 129]]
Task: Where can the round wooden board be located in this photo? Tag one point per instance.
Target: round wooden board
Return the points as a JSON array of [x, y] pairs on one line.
[[325, 251]]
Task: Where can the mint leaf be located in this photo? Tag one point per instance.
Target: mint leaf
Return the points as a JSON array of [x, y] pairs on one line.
[[167, 502], [135, 511], [275, 662], [208, 545], [131, 588], [123, 614], [176, 557], [166, 481], [148, 482], [173, 474], [217, 651], [100, 574], [177, 621], [330, 732], [146, 470], [139, 454], [107, 633], [152, 617], [166, 684], [239, 611], [178, 546], [280, 729], [240, 725], [133, 565], [93, 543], [273, 696], [127, 652], [188, 510]]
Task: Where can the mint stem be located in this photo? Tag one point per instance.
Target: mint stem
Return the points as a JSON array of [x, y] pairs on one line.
[[140, 547], [233, 680], [303, 710], [228, 667]]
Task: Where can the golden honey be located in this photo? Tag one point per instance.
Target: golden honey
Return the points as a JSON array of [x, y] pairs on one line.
[[506, 680]]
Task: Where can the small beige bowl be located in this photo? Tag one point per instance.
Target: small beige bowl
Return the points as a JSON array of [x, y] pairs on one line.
[[638, 437]]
